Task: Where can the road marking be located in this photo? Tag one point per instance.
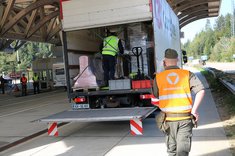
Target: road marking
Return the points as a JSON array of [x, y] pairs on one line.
[[30, 109], [16, 103]]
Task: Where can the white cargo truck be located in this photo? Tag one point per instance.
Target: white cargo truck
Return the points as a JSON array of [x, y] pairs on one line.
[[59, 79], [146, 27]]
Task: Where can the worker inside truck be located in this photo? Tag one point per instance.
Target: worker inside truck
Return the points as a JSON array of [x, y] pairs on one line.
[[110, 49]]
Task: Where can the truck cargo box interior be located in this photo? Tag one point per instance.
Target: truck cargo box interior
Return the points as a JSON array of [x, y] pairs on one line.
[[130, 66]]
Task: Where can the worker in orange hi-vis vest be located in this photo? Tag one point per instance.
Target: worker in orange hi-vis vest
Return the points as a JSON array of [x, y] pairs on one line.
[[23, 81], [178, 115]]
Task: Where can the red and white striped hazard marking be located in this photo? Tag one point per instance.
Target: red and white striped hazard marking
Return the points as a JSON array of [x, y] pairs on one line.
[[155, 101], [52, 129], [136, 127]]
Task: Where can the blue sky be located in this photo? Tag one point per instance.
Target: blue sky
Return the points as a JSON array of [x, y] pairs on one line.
[[195, 27]]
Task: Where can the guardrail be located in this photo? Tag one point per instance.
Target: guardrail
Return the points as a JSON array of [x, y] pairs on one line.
[[230, 86], [227, 79]]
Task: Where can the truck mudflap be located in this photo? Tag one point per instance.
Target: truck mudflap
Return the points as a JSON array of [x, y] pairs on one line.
[[136, 115]]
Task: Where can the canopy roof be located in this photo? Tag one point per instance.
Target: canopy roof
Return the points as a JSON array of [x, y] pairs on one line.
[[192, 10], [38, 20]]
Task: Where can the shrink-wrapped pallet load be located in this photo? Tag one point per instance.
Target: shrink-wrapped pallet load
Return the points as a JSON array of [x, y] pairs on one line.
[[86, 78]]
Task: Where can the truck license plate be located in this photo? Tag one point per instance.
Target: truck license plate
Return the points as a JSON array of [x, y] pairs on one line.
[[80, 106]]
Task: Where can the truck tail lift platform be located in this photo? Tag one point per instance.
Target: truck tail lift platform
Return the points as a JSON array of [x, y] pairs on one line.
[[136, 115]]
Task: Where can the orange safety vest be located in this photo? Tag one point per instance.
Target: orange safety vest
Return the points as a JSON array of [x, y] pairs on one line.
[[174, 92], [24, 80]]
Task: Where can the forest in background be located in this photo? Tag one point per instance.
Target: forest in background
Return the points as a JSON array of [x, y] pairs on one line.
[[29, 52], [217, 42]]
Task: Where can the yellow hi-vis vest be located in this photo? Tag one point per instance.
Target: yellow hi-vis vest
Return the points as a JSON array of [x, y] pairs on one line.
[[174, 92], [35, 78], [110, 46]]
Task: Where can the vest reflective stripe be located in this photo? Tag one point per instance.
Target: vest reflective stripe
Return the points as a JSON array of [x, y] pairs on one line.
[[174, 92], [110, 45], [176, 109], [174, 96]]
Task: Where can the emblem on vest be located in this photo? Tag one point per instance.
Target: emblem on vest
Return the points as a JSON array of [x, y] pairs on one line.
[[172, 78]]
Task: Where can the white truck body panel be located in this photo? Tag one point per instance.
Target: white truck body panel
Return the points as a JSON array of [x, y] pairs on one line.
[[166, 31], [84, 14]]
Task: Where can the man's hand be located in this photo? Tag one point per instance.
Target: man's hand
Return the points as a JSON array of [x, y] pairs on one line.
[[194, 118], [196, 115]]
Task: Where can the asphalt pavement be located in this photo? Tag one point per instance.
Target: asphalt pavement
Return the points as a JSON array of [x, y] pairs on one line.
[[114, 138]]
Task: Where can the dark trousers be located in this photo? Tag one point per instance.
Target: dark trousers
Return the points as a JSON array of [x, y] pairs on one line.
[[36, 87], [24, 89], [109, 63], [3, 89], [178, 139]]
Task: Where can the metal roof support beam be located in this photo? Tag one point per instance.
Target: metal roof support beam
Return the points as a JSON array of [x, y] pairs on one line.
[[197, 14], [7, 12], [16, 28], [192, 10], [26, 11], [192, 4], [51, 25], [186, 9], [42, 22], [30, 23], [192, 20], [1, 11], [193, 15], [33, 38], [198, 10], [43, 30], [176, 2], [25, 19], [54, 32], [22, 22]]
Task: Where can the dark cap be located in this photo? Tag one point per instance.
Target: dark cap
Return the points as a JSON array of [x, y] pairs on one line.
[[171, 54]]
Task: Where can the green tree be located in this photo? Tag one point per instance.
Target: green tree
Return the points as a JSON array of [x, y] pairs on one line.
[[31, 51], [231, 50], [223, 26], [209, 42], [214, 42], [208, 25], [221, 52], [27, 53]]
